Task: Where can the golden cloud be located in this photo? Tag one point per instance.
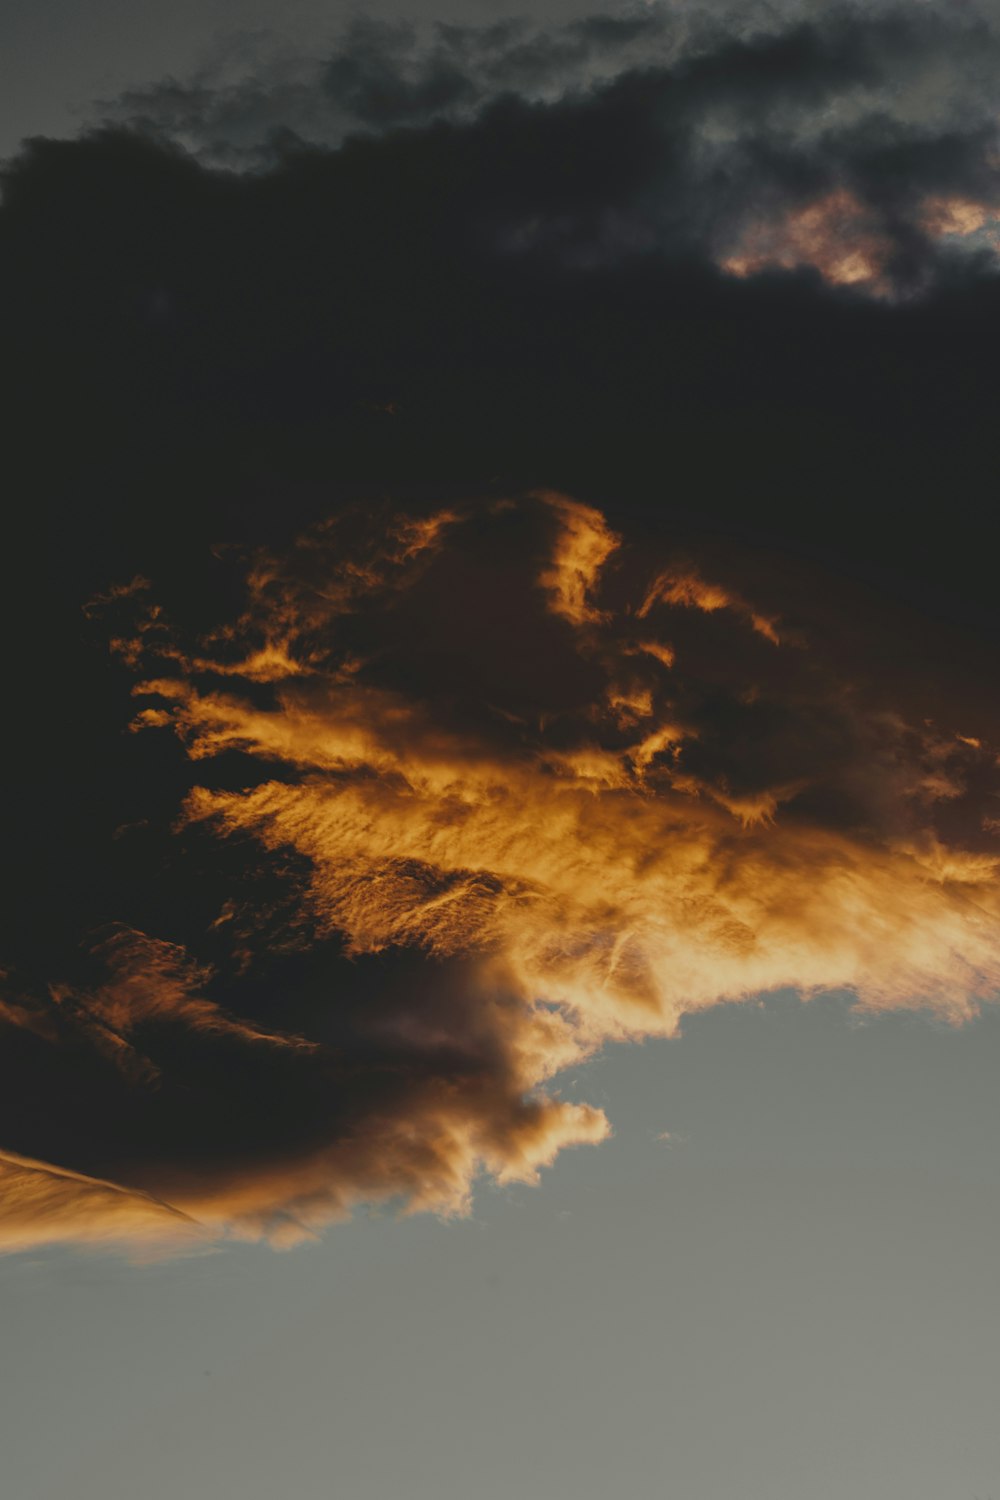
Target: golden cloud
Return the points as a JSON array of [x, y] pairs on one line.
[[576, 792], [45, 1205]]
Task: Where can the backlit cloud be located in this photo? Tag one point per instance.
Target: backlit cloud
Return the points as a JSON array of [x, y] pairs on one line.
[[45, 1205], [476, 791]]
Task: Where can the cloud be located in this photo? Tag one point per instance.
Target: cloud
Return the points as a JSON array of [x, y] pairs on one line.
[[766, 312], [535, 527], [831, 142], [418, 831], [213, 1124], [495, 788], [583, 547], [44, 1205]]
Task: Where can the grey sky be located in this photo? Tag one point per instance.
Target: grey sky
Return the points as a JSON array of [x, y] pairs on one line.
[[794, 1298]]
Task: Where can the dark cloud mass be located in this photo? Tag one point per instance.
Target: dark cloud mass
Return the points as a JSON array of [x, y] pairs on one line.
[[502, 570], [860, 144]]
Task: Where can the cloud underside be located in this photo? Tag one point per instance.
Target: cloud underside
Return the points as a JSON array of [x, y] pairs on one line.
[[43, 1205], [473, 793], [856, 145]]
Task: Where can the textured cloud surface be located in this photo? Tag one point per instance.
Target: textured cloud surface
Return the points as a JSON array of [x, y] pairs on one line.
[[474, 791], [859, 144]]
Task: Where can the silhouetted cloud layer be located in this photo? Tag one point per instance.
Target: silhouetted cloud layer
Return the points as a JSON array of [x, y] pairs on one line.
[[859, 143], [478, 790]]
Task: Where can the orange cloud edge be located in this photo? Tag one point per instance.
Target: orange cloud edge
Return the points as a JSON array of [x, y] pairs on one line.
[[595, 877]]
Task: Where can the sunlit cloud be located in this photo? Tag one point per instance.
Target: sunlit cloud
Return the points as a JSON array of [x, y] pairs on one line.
[[45, 1205], [835, 235], [574, 793], [582, 547], [848, 241]]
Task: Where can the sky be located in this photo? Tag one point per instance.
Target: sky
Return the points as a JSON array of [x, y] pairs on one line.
[[500, 962]]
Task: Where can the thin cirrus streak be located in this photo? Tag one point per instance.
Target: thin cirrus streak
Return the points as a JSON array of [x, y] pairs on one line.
[[44, 1205], [510, 790]]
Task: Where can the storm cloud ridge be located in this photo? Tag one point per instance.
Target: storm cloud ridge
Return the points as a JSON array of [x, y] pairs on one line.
[[473, 791], [856, 143]]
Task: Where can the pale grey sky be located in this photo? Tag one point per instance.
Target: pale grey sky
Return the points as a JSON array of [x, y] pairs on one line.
[[793, 1300]]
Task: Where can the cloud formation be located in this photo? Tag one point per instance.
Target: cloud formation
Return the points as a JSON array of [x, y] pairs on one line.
[[772, 317], [428, 798], [477, 791], [856, 144]]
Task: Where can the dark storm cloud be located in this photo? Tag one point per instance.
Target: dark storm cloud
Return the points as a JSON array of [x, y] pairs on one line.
[[729, 297], [383, 74], [860, 144], [572, 293]]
